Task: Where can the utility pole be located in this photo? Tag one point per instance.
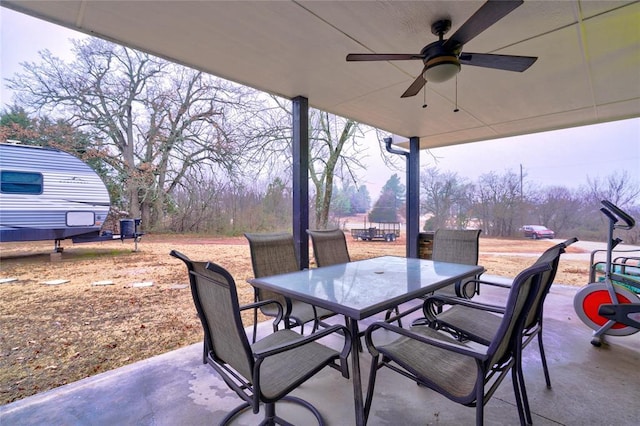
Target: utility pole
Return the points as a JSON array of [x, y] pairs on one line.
[[521, 197]]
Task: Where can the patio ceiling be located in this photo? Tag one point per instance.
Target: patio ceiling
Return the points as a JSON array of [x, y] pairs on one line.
[[588, 69]]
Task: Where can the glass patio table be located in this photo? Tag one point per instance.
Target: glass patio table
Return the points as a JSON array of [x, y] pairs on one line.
[[364, 288]]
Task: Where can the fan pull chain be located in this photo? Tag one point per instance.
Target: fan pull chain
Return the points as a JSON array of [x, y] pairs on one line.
[[424, 96], [456, 109]]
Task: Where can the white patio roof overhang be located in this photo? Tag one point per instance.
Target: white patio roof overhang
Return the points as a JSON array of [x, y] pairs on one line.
[[588, 67]]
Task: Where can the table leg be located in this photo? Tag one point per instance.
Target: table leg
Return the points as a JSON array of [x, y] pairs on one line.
[[352, 325]]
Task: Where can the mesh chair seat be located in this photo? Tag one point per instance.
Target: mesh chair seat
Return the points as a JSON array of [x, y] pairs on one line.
[[481, 324], [281, 371], [446, 369]]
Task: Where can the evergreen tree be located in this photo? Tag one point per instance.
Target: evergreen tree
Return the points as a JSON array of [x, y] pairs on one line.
[[390, 201], [360, 200]]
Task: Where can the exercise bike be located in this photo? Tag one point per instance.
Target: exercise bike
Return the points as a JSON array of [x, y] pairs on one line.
[[611, 306]]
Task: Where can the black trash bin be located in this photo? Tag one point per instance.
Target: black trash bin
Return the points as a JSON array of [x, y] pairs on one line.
[[127, 228]]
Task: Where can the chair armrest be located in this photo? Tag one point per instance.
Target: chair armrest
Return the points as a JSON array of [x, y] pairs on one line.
[[493, 283], [421, 338], [460, 287], [261, 303], [256, 305], [303, 340], [453, 300], [433, 304]]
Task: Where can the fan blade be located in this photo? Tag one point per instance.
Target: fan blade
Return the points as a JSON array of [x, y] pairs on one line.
[[416, 86], [383, 56], [488, 14], [501, 62]]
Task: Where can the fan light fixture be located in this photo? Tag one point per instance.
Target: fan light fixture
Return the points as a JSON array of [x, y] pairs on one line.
[[441, 68], [441, 58]]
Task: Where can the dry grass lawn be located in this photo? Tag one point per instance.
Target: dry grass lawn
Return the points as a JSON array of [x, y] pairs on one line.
[[51, 335]]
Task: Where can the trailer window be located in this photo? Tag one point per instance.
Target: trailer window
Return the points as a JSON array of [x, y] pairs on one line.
[[20, 182]]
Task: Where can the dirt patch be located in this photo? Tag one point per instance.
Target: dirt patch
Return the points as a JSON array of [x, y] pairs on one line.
[[51, 335]]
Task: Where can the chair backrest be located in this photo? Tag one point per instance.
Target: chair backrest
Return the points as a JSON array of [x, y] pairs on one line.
[[216, 301], [329, 246], [199, 267], [272, 254], [550, 256], [456, 246], [520, 300]]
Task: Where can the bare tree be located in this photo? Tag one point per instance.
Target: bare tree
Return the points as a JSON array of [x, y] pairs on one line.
[[336, 151], [558, 208], [618, 188], [446, 197], [498, 199], [333, 152], [151, 120]]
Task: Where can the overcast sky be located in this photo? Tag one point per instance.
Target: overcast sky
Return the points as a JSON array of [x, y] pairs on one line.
[[564, 157]]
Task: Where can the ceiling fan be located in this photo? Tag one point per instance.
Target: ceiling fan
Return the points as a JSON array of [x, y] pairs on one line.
[[442, 58]]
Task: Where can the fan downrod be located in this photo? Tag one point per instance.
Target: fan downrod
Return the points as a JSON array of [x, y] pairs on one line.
[[441, 27]]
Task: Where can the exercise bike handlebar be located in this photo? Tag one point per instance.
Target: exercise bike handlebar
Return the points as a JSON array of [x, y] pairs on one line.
[[614, 213]]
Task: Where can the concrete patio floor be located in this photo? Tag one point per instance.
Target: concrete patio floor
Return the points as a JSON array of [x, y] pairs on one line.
[[591, 386]]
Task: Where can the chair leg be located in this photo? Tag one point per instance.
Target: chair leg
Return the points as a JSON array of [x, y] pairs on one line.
[[316, 323], [479, 405], [371, 387], [421, 321], [519, 398], [545, 369], [291, 323], [227, 419], [520, 390], [525, 398], [397, 312], [269, 415], [271, 418]]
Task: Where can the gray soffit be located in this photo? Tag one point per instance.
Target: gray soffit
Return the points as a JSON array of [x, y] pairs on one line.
[[588, 68]]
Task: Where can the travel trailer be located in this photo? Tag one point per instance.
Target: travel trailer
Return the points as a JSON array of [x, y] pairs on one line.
[[48, 194]]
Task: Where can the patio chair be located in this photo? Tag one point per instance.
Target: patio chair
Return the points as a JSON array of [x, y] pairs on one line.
[[267, 371], [454, 246], [478, 322], [329, 247], [274, 254], [464, 374]]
